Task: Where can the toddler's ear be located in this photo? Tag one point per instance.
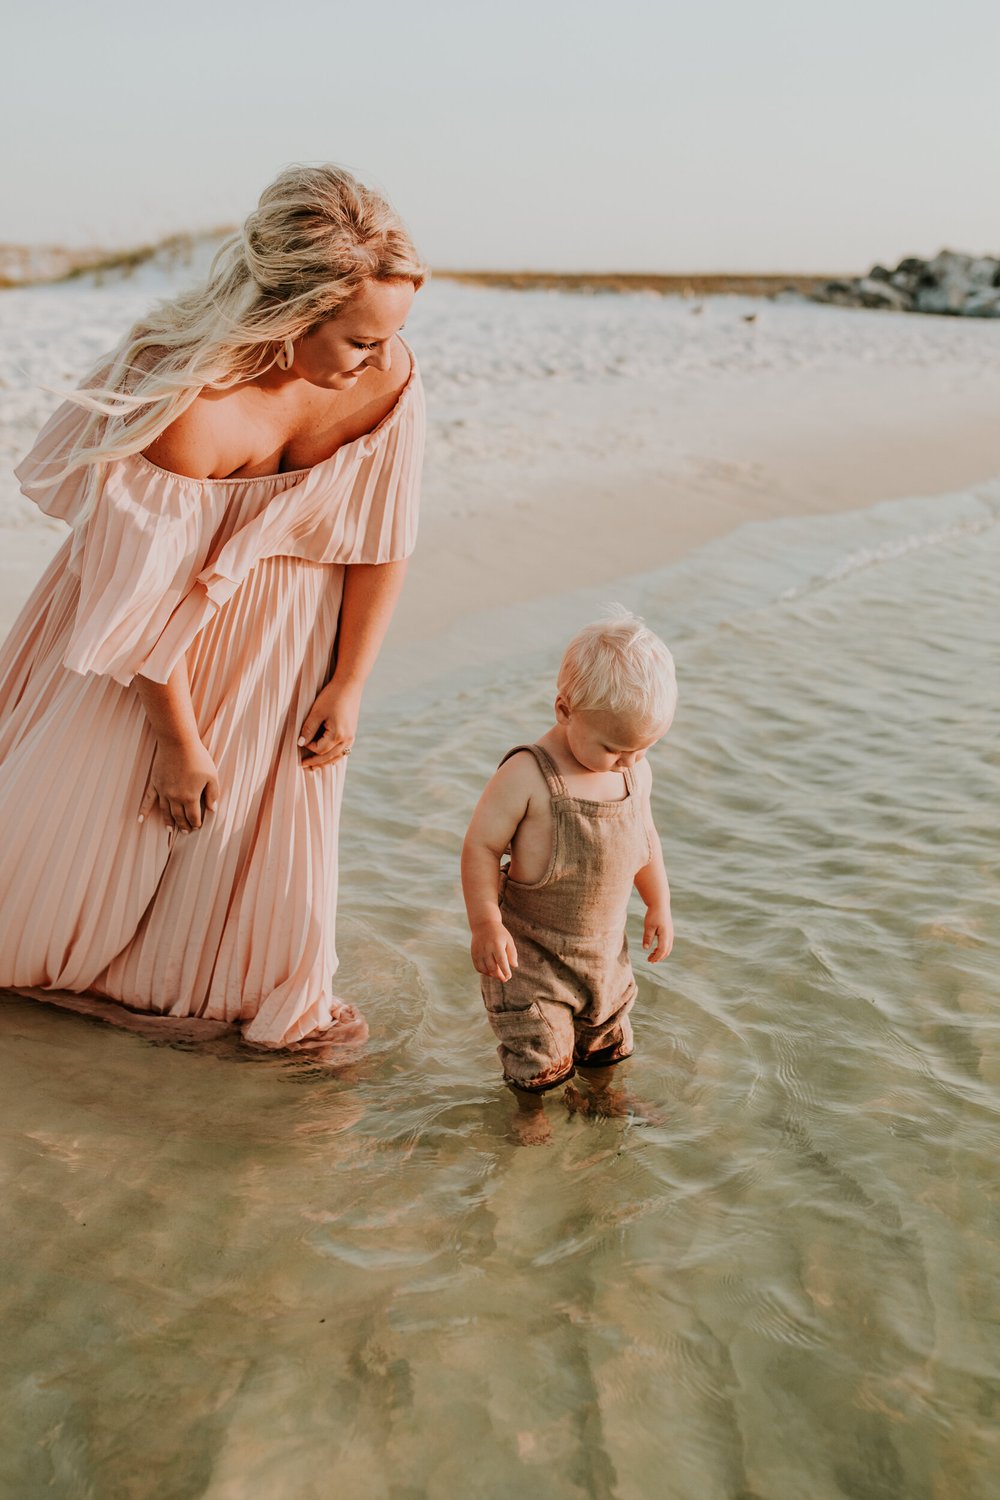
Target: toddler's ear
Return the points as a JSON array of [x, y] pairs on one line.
[[562, 709]]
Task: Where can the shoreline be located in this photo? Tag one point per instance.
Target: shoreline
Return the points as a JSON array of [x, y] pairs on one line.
[[577, 441], [785, 450]]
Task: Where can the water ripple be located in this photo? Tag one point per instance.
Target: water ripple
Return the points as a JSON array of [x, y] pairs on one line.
[[783, 1286]]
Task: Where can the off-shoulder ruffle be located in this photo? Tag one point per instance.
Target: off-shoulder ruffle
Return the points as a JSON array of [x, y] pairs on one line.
[[65, 499], [156, 559]]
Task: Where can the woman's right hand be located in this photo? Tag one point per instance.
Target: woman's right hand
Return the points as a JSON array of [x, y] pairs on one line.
[[185, 784]]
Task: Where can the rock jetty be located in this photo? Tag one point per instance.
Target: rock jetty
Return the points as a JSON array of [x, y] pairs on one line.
[[959, 285]]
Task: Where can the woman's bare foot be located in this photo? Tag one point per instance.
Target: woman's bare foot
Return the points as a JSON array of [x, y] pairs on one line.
[[335, 1043], [346, 1033]]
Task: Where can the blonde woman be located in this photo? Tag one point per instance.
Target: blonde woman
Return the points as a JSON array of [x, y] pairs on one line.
[[180, 695]]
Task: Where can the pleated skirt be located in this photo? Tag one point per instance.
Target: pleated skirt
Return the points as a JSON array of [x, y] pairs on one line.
[[234, 923]]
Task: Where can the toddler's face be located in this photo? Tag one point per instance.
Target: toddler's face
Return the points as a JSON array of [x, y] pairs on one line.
[[603, 741]]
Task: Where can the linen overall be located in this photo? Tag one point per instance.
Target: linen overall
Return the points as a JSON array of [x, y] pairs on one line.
[[568, 1000]]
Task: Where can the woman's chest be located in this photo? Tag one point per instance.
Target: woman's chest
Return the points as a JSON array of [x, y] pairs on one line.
[[281, 438]]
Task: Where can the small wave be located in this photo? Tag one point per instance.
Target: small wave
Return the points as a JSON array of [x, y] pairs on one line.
[[862, 558]]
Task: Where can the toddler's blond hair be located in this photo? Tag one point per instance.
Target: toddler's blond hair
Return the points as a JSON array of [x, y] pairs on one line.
[[617, 665]]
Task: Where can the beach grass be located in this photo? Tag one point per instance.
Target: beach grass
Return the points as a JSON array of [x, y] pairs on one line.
[[48, 265], [41, 265], [686, 284]]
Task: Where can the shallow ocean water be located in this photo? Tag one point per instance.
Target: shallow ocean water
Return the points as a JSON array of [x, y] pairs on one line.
[[226, 1276]]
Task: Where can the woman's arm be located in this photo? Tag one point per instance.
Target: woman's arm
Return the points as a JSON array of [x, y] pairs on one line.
[[371, 591], [183, 780]]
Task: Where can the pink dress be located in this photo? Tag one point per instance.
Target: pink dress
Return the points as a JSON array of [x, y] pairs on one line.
[[244, 577]]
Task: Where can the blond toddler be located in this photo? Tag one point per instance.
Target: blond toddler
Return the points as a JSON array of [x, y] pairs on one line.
[[573, 813]]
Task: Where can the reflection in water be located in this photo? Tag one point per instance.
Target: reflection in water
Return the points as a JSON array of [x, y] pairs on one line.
[[228, 1275]]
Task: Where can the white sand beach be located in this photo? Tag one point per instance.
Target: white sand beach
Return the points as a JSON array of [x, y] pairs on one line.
[[578, 438]]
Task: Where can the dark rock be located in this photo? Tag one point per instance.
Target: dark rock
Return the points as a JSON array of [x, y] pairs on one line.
[[873, 293], [906, 282], [983, 304], [983, 271], [950, 284]]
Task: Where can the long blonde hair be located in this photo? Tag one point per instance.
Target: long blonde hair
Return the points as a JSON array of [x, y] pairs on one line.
[[316, 236]]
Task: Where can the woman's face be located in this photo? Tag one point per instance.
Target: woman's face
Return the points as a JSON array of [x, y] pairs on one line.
[[337, 353]]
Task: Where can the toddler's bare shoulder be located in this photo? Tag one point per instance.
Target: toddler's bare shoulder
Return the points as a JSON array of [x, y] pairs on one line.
[[521, 773]]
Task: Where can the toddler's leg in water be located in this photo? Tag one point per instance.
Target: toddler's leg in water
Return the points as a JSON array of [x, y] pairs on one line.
[[604, 1039], [536, 1051], [599, 1096], [535, 1036], [530, 1123], [604, 1096]]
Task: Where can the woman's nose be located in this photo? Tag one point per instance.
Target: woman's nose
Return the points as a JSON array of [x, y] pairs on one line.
[[380, 358]]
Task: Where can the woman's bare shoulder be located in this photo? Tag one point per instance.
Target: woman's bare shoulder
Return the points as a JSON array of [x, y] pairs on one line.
[[393, 380], [388, 385], [402, 361], [202, 443], [374, 396]]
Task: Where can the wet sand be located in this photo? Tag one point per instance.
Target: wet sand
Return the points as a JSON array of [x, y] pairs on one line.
[[722, 455]]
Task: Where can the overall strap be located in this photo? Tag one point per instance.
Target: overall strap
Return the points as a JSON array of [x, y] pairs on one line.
[[630, 786], [547, 766]]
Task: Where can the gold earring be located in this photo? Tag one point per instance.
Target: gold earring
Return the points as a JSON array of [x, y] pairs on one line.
[[286, 355]]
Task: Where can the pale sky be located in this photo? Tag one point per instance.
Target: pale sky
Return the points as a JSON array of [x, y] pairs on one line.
[[620, 135]]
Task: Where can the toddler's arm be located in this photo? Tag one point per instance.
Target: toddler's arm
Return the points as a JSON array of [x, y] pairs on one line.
[[651, 881], [494, 823]]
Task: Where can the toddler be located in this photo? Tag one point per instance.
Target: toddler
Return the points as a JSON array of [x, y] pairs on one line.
[[573, 813]]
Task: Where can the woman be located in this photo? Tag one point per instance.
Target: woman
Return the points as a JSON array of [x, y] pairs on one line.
[[180, 694]]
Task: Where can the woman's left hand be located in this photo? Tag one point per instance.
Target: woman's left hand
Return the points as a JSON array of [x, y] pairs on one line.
[[330, 725]]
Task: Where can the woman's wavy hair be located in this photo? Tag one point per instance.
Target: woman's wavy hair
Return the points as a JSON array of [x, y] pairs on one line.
[[316, 236]]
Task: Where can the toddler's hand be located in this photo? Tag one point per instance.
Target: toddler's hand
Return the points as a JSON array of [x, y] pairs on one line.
[[658, 934], [493, 951]]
